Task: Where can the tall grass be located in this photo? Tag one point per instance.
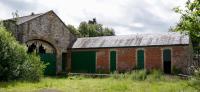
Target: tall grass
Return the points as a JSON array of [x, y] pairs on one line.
[[135, 81]]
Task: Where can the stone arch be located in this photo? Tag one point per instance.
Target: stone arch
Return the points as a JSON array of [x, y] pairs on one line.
[[50, 57], [49, 47]]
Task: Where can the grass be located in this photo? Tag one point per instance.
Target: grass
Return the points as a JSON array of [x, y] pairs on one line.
[[111, 84], [97, 85]]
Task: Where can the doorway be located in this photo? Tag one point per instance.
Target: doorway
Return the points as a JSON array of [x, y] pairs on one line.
[[167, 61]]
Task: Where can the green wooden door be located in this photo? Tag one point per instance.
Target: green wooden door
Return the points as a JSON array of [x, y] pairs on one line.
[[50, 60], [167, 61], [112, 61], [140, 59], [83, 62]]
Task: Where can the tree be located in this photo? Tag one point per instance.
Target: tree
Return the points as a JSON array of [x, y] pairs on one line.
[[73, 30], [15, 63], [190, 24], [190, 20], [91, 29]]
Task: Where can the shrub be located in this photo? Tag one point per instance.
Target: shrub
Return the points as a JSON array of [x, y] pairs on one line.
[[15, 63]]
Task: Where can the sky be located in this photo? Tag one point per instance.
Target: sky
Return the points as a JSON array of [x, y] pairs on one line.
[[124, 16]]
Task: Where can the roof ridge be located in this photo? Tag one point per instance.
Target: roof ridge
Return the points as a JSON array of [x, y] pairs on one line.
[[165, 33], [23, 19]]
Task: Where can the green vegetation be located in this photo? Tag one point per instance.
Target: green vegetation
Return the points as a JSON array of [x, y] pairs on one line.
[[190, 20], [127, 82], [90, 30], [15, 63], [195, 80]]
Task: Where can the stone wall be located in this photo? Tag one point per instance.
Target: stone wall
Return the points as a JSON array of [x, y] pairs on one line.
[[47, 28]]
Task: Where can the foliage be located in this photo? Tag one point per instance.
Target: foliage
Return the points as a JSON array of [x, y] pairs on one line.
[[91, 30], [190, 20], [190, 24], [195, 80], [73, 30], [15, 63]]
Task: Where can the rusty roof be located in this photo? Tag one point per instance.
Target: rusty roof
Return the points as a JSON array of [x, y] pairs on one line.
[[145, 39]]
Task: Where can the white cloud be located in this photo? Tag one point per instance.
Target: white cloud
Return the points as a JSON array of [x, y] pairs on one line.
[[125, 16]]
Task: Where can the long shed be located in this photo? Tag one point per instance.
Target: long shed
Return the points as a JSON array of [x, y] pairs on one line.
[[169, 52]]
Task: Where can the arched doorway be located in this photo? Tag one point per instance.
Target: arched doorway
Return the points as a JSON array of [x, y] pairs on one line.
[[47, 54]]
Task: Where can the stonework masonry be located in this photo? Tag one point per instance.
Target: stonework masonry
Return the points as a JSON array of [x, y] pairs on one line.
[[47, 28]]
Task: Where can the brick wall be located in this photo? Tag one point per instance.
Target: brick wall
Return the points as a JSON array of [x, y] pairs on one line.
[[127, 58], [153, 58], [180, 58], [102, 62]]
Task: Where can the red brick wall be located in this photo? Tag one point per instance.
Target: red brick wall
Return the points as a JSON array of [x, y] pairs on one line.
[[180, 57], [126, 59], [102, 62], [153, 58]]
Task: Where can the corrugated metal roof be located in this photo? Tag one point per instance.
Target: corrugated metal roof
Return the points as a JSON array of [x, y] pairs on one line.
[[170, 38]]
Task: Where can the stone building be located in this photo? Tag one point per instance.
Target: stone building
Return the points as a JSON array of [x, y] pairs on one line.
[[46, 34], [47, 30]]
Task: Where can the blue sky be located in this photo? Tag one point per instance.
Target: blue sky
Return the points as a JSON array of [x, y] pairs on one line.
[[124, 16]]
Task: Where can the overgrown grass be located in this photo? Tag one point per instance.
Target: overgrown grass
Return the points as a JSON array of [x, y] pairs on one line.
[[137, 81]]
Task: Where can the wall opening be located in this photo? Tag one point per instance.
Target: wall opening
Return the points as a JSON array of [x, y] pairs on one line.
[[167, 61], [47, 54], [64, 62]]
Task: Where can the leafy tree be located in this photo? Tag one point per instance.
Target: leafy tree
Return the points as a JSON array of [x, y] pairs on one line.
[[91, 29], [73, 30], [15, 63], [108, 32], [190, 20]]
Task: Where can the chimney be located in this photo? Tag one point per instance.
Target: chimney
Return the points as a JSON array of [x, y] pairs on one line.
[[32, 14]]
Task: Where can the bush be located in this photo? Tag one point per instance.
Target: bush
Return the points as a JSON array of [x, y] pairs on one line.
[[15, 63]]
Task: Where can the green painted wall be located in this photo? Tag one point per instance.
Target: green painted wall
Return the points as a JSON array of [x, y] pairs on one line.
[[112, 61], [83, 62]]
